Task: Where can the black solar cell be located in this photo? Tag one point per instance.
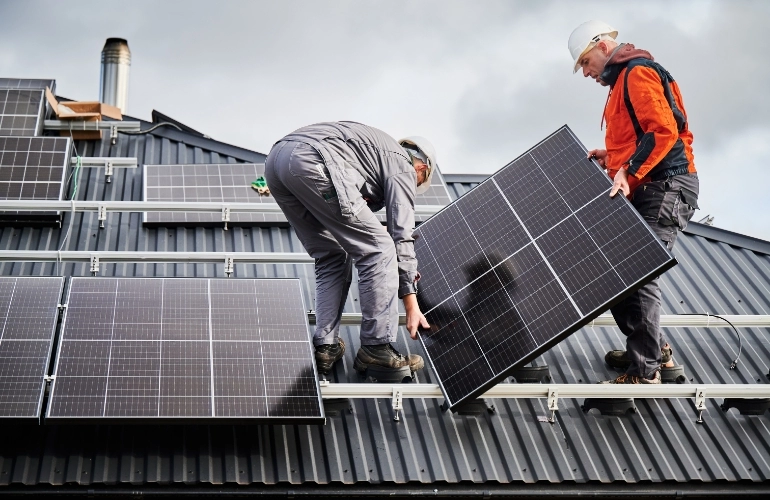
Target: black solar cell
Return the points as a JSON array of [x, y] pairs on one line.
[[185, 348], [28, 313], [524, 260]]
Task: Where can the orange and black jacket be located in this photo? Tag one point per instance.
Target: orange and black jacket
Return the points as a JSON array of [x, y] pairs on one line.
[[647, 129]]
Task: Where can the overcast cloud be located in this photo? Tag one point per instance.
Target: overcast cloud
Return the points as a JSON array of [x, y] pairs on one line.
[[484, 80]]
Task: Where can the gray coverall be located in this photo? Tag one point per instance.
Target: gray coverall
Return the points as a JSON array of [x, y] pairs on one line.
[[328, 179]]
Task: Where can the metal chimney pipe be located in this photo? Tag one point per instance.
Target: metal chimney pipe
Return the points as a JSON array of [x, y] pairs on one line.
[[116, 62]]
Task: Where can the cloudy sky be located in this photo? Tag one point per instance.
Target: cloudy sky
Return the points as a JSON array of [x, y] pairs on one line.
[[483, 79]]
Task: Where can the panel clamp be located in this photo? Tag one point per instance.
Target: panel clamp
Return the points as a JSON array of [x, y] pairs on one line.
[[225, 216], [700, 404], [398, 403], [553, 403], [229, 266], [114, 134], [94, 265], [102, 216], [61, 307], [108, 172], [49, 378]]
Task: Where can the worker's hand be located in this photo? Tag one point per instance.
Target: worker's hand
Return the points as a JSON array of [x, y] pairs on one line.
[[621, 183], [414, 317], [600, 155]]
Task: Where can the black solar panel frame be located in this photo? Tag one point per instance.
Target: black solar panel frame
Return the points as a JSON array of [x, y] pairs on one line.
[[36, 417], [276, 420], [577, 325], [252, 220], [37, 219]]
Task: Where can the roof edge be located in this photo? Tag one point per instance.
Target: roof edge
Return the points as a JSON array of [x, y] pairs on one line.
[[729, 237]]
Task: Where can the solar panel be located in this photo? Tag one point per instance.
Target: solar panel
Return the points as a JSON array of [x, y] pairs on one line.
[[185, 349], [27, 83], [206, 183], [231, 182], [32, 168], [21, 112], [524, 260], [28, 314]]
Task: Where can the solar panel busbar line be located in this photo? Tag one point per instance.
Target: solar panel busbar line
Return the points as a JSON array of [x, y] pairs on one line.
[[33, 168], [185, 350], [231, 182], [524, 260], [28, 314]]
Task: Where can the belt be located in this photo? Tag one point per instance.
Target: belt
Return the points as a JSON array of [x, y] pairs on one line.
[[669, 172]]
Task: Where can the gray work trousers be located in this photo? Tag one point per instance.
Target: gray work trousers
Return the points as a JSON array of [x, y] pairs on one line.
[[300, 182], [667, 206]]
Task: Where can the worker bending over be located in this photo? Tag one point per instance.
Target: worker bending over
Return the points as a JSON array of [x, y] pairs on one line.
[[649, 156], [329, 179]]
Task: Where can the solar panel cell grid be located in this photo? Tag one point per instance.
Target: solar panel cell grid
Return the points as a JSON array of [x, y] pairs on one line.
[[185, 348], [523, 260], [231, 182], [28, 313], [21, 112]]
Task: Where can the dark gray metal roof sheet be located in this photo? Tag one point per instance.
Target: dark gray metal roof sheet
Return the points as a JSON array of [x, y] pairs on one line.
[[361, 443]]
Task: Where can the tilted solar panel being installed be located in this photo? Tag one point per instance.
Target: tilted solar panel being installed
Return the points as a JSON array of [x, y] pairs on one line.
[[27, 83], [231, 182], [185, 349], [28, 313], [33, 168], [524, 260], [21, 112]]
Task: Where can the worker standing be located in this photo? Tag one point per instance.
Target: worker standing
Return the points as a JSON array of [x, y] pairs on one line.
[[649, 157], [329, 179]]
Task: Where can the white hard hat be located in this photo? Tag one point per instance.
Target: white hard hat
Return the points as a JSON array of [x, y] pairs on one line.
[[420, 147], [586, 36]]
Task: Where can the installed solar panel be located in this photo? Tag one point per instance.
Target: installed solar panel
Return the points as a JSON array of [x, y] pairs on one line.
[[32, 168], [21, 112], [27, 83], [28, 313], [231, 182], [524, 260], [185, 349]]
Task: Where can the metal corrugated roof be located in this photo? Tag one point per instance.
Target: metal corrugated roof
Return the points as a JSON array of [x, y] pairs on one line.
[[428, 448]]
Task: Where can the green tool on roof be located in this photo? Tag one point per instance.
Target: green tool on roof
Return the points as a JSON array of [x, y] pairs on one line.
[[260, 186]]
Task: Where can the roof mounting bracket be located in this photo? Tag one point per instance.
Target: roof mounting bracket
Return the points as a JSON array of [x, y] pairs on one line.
[[108, 172], [229, 266], [113, 134], [102, 216], [226, 216], [398, 402], [700, 403], [553, 403], [94, 265]]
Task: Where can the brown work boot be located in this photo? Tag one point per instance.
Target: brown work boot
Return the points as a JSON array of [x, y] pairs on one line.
[[620, 359], [328, 354], [633, 379], [385, 356]]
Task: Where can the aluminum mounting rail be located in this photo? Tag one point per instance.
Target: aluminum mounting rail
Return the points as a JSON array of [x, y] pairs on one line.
[[127, 126], [160, 206], [398, 392], [666, 320]]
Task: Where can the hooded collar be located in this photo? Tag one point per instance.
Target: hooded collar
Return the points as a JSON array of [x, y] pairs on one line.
[[618, 58]]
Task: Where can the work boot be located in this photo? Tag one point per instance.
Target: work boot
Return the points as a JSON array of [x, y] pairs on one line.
[[620, 359], [385, 356], [633, 379], [328, 354]]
